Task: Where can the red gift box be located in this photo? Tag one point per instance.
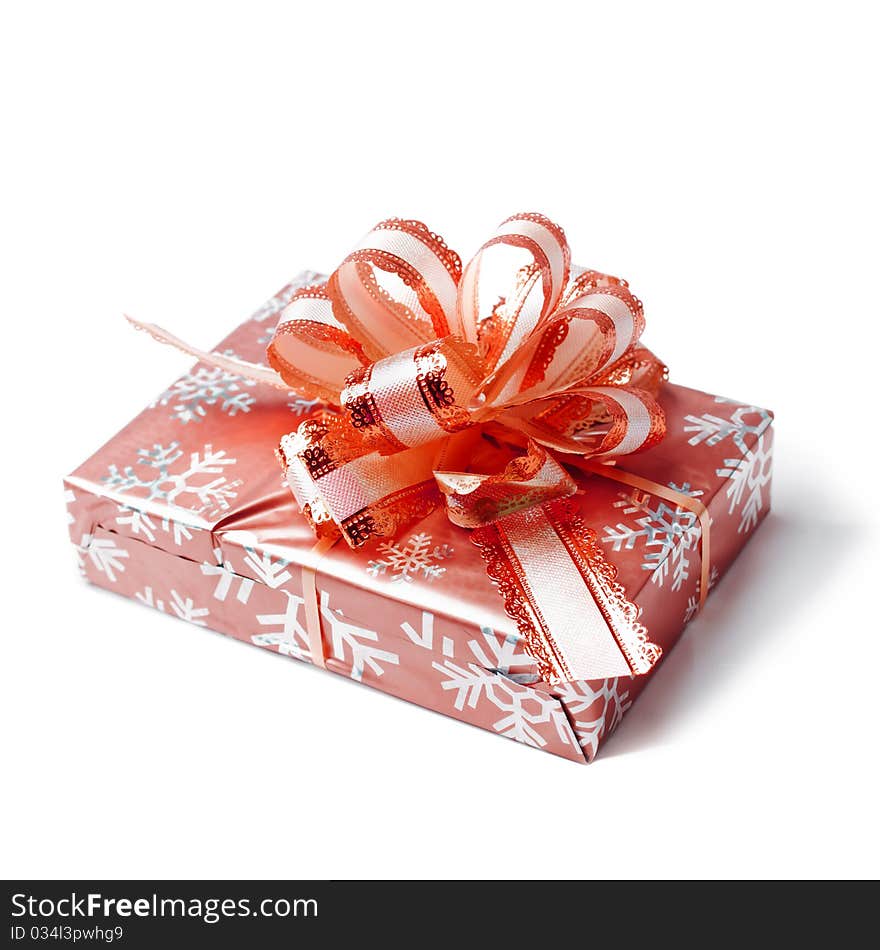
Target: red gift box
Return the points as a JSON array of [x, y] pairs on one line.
[[186, 511]]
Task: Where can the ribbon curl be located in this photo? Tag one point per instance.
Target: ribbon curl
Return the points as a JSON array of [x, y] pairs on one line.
[[418, 360]]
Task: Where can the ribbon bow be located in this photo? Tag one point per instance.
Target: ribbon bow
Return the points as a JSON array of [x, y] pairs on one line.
[[422, 363]]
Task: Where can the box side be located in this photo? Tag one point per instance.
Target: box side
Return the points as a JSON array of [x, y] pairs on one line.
[[471, 674]]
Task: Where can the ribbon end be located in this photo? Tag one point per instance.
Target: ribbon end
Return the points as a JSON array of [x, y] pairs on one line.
[[156, 332], [231, 364]]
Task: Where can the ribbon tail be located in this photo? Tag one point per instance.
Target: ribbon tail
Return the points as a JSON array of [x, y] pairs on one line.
[[231, 364], [563, 594]]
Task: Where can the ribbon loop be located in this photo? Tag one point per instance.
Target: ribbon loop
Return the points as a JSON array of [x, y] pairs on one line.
[[417, 306], [573, 346], [414, 397], [311, 350], [525, 265]]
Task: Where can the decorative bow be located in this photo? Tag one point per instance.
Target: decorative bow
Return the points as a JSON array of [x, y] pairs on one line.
[[422, 364]]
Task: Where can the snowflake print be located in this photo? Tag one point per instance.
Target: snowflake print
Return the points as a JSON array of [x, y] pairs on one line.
[[346, 636], [148, 599], [750, 473], [182, 607], [667, 534], [227, 578], [164, 484], [404, 563], [497, 653], [504, 655], [595, 712], [206, 386], [523, 709], [291, 638], [272, 573], [301, 407], [106, 557], [745, 421], [749, 476], [139, 522], [424, 638], [185, 608]]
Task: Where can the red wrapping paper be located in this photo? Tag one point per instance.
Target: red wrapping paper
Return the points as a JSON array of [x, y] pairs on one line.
[[186, 511]]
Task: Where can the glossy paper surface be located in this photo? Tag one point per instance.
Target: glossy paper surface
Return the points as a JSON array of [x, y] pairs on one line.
[[187, 511]]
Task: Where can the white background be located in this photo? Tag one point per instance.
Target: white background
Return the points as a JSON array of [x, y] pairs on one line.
[[180, 162]]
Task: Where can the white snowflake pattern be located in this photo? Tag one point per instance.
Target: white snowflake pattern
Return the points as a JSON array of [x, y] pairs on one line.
[[506, 655], [139, 522], [107, 558], [668, 534], [185, 608], [206, 386], [272, 573], [227, 578], [424, 637], [169, 486], [711, 429], [348, 636], [302, 407], [749, 473], [178, 530], [148, 599], [493, 654], [181, 606], [291, 639], [523, 708], [403, 563], [469, 683], [604, 707], [749, 476]]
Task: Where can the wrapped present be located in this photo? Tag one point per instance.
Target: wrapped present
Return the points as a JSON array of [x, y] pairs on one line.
[[490, 500]]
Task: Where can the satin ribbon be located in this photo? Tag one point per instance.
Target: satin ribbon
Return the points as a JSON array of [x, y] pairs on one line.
[[416, 358], [311, 600]]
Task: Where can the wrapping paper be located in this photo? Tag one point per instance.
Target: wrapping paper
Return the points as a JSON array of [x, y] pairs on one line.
[[186, 511]]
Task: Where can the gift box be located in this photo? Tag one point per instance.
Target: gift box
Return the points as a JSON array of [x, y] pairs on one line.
[[186, 511]]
